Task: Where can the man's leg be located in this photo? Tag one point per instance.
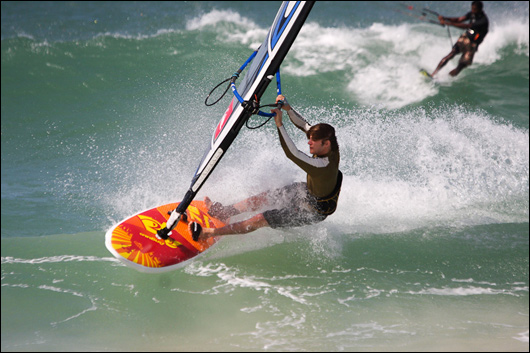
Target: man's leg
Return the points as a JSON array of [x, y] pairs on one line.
[[252, 203], [445, 60], [457, 70], [465, 60], [243, 227]]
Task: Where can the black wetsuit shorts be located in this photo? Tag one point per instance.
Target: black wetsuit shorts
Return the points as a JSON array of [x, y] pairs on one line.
[[295, 207]]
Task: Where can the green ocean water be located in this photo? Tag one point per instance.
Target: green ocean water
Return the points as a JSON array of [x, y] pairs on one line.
[[103, 116]]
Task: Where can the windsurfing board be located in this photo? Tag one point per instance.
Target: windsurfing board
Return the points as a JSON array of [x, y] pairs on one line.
[[133, 241]]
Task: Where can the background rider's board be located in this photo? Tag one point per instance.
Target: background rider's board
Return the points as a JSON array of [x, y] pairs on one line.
[[425, 73]]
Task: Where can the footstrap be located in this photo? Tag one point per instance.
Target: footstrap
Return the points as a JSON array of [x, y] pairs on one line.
[[196, 230]]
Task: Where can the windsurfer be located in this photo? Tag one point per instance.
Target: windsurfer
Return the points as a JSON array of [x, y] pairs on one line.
[[300, 203]]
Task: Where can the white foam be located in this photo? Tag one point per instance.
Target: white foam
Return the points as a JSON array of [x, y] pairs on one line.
[[216, 16], [230, 279], [239, 29], [467, 291], [380, 63], [523, 336], [56, 259], [501, 35]]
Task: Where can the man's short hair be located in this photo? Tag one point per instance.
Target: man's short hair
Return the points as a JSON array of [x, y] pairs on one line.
[[478, 4], [323, 132]]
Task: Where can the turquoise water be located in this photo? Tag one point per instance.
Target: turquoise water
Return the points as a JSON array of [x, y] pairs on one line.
[[103, 116]]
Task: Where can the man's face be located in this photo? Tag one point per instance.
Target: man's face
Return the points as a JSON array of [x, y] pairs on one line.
[[474, 9]]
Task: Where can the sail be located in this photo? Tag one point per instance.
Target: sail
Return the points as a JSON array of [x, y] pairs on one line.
[[266, 62]]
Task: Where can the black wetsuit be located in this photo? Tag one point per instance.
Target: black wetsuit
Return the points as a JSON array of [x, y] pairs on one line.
[[469, 41], [479, 26]]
